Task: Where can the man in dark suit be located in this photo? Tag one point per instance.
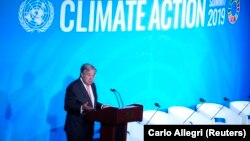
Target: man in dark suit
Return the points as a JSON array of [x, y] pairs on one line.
[[80, 98]]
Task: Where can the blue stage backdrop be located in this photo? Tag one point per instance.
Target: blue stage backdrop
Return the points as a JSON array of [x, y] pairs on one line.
[[168, 51]]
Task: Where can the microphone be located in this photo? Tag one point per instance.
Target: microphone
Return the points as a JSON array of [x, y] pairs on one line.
[[201, 100], [225, 99], [113, 90], [156, 105], [116, 92], [245, 106]]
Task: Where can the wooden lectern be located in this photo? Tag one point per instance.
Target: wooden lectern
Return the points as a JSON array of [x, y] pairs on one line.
[[114, 121]]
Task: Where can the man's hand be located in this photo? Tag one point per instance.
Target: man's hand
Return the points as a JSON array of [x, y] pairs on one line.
[[105, 106], [86, 107]]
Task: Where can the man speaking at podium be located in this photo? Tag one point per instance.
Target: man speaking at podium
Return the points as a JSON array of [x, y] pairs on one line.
[[80, 98]]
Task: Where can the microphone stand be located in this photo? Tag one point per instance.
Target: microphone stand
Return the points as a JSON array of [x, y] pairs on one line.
[[225, 99], [243, 108], [156, 104], [119, 97], [201, 100], [113, 90]]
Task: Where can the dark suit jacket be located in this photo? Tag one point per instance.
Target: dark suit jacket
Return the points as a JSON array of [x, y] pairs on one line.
[[76, 124]]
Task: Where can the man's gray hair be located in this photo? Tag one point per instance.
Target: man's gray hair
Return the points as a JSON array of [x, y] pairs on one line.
[[87, 67]]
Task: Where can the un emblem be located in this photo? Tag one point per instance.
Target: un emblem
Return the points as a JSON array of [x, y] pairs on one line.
[[36, 15], [233, 10]]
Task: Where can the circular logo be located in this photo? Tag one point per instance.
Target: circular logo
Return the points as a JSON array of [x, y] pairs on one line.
[[36, 15], [233, 10]]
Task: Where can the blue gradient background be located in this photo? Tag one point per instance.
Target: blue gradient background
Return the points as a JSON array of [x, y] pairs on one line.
[[173, 67]]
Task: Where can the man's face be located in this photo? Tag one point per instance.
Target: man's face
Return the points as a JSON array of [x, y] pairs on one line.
[[88, 77]]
